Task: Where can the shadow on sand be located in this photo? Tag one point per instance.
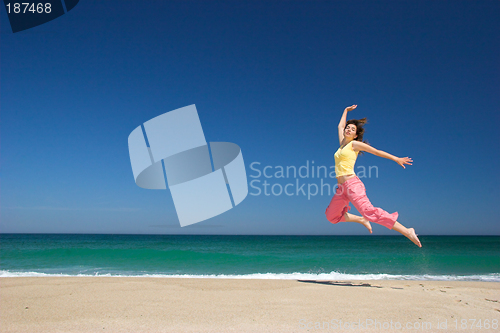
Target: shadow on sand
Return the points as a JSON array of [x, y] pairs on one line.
[[342, 283]]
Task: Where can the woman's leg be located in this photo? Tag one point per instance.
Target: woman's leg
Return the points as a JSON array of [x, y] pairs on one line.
[[408, 232], [358, 219], [338, 207], [357, 195]]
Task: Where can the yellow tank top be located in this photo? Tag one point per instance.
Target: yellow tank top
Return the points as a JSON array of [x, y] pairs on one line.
[[344, 160]]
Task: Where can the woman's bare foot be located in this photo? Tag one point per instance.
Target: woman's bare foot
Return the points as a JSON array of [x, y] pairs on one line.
[[413, 237], [367, 224], [408, 232]]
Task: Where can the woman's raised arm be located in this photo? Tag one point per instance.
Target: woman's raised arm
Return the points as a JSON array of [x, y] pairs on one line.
[[342, 122]]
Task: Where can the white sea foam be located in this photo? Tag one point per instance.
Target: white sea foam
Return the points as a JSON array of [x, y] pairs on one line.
[[494, 277]]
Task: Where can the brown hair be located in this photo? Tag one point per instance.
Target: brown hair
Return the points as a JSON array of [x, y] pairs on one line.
[[359, 123]]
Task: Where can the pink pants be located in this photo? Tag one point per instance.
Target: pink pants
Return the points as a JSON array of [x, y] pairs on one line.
[[353, 190]]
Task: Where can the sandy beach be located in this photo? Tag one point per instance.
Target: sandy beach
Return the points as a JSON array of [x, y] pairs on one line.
[[122, 304]]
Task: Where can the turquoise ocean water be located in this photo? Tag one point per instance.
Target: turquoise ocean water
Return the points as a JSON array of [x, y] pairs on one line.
[[469, 258]]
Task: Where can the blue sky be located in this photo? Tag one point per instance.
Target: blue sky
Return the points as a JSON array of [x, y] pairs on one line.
[[270, 76]]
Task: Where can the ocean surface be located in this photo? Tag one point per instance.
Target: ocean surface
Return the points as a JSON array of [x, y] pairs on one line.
[[462, 258]]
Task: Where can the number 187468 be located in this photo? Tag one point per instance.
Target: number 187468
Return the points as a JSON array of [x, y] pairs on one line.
[[22, 8]]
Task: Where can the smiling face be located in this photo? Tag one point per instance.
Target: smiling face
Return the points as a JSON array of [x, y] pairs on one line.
[[350, 132]]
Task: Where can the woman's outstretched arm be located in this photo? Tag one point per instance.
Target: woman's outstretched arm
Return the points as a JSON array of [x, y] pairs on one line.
[[342, 122], [361, 146]]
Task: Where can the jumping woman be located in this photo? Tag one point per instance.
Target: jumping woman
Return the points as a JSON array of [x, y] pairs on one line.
[[351, 189]]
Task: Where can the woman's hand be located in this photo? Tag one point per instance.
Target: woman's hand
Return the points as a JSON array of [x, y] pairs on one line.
[[350, 108], [404, 160]]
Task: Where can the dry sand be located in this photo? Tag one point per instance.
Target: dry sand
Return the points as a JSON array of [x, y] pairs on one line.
[[122, 304]]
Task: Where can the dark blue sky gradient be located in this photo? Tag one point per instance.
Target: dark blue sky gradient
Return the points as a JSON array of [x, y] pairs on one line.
[[270, 76]]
